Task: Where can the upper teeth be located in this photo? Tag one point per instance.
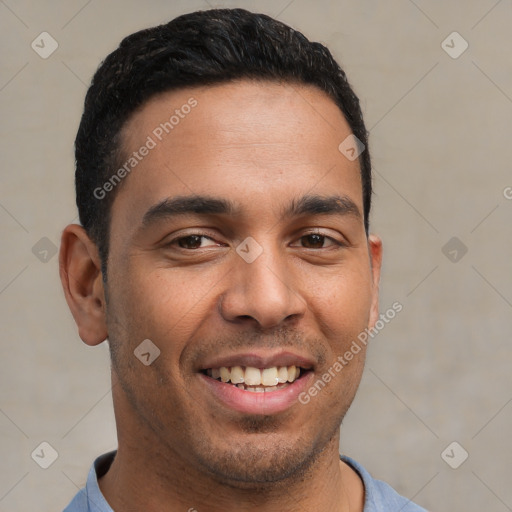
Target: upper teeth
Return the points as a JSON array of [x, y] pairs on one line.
[[254, 376]]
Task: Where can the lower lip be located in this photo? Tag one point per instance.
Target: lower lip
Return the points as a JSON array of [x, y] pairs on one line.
[[249, 402]]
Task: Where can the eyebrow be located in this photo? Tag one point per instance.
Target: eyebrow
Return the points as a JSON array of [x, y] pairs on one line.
[[206, 205], [321, 205], [186, 205]]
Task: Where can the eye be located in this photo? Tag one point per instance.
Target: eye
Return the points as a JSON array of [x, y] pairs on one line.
[[192, 242], [316, 241]]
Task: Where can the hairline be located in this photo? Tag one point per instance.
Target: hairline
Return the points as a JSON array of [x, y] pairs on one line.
[[120, 151]]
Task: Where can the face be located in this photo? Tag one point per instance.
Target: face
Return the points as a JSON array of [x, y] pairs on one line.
[[238, 248]]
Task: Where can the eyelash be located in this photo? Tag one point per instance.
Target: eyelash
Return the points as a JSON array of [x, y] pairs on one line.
[[202, 235]]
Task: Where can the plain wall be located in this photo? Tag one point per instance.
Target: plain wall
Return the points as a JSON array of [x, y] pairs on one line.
[[439, 372]]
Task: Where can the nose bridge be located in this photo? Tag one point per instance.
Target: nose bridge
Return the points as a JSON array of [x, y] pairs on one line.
[[263, 288]]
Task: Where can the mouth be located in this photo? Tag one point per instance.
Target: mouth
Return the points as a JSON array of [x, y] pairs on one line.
[[256, 380]]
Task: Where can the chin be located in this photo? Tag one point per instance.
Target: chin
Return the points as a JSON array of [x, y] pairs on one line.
[[261, 460]]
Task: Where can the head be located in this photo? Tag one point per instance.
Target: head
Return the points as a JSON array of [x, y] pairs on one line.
[[221, 222], [197, 49]]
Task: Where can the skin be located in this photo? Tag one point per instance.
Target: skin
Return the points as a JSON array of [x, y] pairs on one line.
[[260, 145]]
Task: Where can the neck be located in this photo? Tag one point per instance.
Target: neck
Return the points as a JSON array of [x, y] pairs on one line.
[[142, 478]]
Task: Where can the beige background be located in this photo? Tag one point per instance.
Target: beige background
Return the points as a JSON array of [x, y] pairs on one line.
[[440, 136]]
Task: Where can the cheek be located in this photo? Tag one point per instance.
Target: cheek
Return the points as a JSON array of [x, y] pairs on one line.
[[163, 304], [342, 304], [159, 306]]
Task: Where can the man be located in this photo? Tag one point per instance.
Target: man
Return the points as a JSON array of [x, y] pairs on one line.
[[223, 184]]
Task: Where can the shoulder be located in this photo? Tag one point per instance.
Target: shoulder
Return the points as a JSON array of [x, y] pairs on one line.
[[79, 502], [379, 496], [90, 499]]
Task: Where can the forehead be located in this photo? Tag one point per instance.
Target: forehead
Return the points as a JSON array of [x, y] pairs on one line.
[[259, 143]]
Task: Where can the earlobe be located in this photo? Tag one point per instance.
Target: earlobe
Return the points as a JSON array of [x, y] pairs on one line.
[[375, 250], [82, 281]]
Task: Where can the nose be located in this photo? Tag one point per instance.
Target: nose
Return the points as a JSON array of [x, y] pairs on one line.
[[264, 292]]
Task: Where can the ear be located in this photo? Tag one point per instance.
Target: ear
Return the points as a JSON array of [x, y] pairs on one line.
[[375, 250], [82, 280]]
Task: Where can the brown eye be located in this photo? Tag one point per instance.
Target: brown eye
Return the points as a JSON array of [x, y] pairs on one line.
[[313, 241], [190, 242]]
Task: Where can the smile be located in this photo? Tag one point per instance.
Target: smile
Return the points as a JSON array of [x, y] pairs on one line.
[[256, 380]]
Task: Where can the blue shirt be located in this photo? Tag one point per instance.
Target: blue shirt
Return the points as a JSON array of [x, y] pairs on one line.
[[379, 496]]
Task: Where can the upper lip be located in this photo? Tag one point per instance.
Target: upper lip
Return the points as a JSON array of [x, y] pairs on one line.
[[257, 359]]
